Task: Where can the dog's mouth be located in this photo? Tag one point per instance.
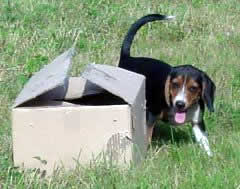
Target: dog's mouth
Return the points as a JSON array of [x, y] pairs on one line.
[[180, 117]]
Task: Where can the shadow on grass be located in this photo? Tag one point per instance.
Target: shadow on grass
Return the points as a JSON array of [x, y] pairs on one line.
[[166, 134]]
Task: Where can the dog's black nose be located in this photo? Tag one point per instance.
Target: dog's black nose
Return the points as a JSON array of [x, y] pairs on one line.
[[180, 105]]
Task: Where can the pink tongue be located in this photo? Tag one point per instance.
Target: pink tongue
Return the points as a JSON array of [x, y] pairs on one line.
[[180, 117]]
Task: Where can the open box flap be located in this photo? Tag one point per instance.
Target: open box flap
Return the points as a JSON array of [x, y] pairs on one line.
[[51, 76], [130, 87], [95, 79], [118, 81]]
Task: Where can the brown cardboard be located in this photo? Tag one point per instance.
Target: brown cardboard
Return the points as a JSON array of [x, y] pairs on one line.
[[61, 121]]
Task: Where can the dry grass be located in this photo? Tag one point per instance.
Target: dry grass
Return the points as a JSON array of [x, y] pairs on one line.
[[205, 34]]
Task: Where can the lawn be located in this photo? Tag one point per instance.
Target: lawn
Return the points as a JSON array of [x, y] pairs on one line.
[[206, 34]]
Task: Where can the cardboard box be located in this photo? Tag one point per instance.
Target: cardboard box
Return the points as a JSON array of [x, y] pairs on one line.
[[60, 121]]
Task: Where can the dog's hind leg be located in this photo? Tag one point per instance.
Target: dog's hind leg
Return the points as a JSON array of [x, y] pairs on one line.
[[151, 120], [149, 133]]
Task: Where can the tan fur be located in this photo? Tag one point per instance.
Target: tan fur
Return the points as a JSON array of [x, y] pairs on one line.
[[166, 90], [163, 115], [192, 95], [192, 89], [149, 133]]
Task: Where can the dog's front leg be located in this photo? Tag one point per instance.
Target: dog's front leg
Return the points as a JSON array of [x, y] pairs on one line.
[[201, 138]]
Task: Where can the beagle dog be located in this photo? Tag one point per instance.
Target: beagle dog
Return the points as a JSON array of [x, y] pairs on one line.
[[176, 95]]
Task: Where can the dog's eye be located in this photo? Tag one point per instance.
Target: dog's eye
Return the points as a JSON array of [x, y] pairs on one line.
[[193, 89], [175, 85]]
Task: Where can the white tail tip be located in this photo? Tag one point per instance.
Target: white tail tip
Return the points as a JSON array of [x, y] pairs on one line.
[[170, 17]]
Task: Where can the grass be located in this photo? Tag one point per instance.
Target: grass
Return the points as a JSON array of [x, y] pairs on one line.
[[205, 34]]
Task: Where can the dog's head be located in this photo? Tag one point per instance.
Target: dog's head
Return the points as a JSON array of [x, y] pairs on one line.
[[187, 86]]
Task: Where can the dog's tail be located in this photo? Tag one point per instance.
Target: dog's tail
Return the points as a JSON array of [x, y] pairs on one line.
[[127, 42]]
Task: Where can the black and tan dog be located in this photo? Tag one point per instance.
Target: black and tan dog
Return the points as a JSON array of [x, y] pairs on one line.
[[174, 94]]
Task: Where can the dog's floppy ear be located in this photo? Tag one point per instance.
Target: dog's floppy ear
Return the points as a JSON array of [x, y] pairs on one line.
[[166, 90], [208, 91]]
